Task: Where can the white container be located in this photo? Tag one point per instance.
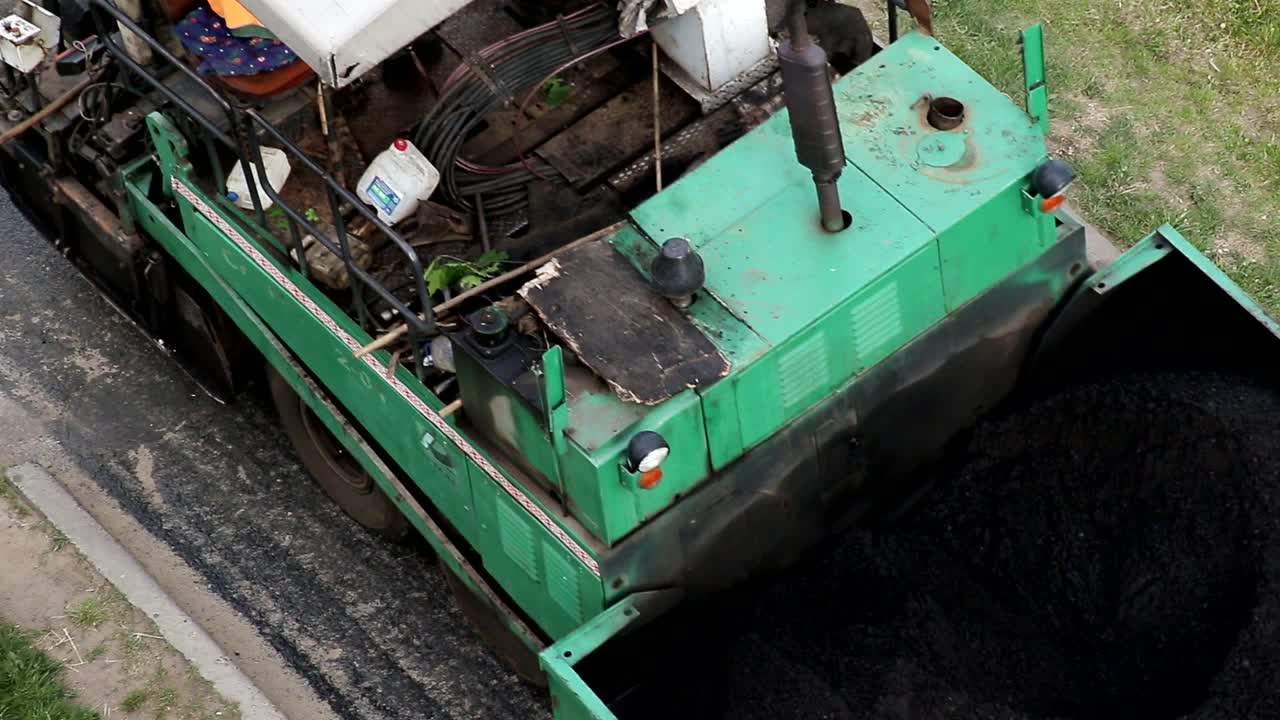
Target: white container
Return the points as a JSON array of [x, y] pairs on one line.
[[275, 163], [397, 181], [19, 43], [28, 35]]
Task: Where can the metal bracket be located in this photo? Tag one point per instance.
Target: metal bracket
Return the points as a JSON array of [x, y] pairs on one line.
[[553, 397], [171, 147], [1035, 77]]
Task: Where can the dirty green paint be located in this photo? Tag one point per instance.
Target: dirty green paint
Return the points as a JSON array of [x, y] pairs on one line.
[[597, 477], [459, 489], [1035, 78], [1159, 245], [778, 271], [991, 242], [573, 697], [140, 176], [1136, 259], [883, 109], [735, 339], [853, 337]]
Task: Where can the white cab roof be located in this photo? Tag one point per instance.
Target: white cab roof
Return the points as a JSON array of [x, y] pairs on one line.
[[343, 39]]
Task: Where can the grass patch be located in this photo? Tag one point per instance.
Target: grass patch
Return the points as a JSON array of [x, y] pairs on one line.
[[1170, 111], [57, 539], [165, 700], [31, 684], [88, 613], [135, 700], [9, 494]]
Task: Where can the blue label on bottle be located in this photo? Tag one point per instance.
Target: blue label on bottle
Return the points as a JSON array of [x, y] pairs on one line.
[[383, 197]]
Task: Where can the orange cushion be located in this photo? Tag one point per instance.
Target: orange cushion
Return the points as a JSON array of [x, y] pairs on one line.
[[234, 13]]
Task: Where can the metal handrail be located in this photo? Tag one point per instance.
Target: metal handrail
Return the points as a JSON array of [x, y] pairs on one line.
[[247, 127]]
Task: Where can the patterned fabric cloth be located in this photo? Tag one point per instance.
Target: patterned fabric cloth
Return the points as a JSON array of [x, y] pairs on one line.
[[222, 53]]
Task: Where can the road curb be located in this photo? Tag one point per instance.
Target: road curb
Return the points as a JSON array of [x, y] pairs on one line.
[[123, 570]]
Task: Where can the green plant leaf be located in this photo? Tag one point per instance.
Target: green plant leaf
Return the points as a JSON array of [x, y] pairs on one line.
[[445, 272], [558, 92]]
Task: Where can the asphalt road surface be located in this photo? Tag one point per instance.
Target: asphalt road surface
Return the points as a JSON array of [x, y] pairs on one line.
[[369, 626]]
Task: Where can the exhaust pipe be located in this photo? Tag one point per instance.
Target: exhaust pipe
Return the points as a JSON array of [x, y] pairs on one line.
[[811, 103]]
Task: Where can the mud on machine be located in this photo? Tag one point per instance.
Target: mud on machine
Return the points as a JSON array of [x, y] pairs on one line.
[[615, 313]]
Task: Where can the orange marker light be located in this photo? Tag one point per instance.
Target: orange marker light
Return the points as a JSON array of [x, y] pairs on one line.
[[1053, 203], [650, 479]]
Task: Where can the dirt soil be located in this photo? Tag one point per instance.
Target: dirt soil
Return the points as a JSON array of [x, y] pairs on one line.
[[1112, 551], [115, 660]]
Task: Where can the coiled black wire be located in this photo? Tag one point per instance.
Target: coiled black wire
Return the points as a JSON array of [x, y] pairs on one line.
[[499, 75]]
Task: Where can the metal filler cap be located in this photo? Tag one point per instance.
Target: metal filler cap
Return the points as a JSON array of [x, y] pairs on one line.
[[678, 271]]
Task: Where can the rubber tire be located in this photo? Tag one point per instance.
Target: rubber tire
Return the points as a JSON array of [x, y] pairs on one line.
[[367, 505], [501, 641]]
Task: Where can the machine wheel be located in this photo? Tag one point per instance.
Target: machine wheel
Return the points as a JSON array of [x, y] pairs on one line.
[[332, 467], [489, 626]]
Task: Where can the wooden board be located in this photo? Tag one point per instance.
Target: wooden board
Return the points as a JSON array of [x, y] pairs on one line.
[[632, 337]]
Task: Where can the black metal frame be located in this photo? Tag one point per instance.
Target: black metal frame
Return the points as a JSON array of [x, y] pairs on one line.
[[248, 129]]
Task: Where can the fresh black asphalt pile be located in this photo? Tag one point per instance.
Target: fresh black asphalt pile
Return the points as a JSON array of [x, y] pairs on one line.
[[1112, 551]]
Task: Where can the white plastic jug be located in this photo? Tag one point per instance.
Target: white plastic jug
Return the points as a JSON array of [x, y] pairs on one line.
[[398, 180], [275, 163]]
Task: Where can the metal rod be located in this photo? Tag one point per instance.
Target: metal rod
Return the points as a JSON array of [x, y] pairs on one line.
[[122, 56], [657, 121], [482, 224], [829, 206], [250, 178], [426, 323], [893, 21], [36, 100], [488, 285], [46, 111], [798, 25]]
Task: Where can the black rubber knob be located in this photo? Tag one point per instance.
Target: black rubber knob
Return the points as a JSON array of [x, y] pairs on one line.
[[1052, 178], [678, 271], [490, 326]]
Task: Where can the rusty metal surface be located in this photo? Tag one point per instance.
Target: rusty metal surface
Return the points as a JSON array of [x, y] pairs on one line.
[[620, 327], [591, 84], [617, 132]]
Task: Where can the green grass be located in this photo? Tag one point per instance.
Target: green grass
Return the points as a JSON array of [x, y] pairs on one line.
[[57, 539], [9, 494], [165, 701], [88, 613], [1169, 109], [31, 684], [135, 700]]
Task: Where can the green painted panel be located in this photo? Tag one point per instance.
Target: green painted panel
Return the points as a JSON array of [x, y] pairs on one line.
[[724, 433], [623, 504], [568, 583], [887, 135], [993, 241], [407, 436], [778, 271], [536, 570], [854, 337], [739, 180], [400, 429], [591, 495], [597, 416]]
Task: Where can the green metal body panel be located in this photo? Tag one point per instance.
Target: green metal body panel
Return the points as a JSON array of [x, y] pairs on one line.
[[545, 562], [938, 218], [1213, 272], [1035, 76], [573, 697], [159, 228]]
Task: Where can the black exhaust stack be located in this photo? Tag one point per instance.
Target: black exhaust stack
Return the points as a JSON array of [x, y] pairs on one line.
[[811, 104]]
